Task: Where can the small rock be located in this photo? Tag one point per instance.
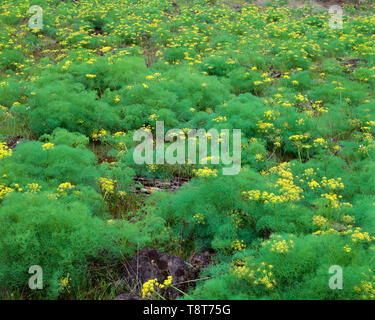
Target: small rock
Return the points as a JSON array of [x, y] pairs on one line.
[[199, 261]]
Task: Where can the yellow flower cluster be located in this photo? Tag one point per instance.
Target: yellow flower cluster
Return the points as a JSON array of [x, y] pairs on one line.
[[264, 127], [298, 137], [152, 285], [282, 246], [366, 288], [252, 194], [106, 49], [272, 198], [238, 245], [33, 187], [300, 98], [65, 186], [356, 235], [270, 115], [285, 185], [279, 245], [48, 146], [220, 119], [4, 113], [120, 134], [324, 232], [4, 190], [97, 135], [309, 172], [347, 249], [205, 172], [320, 142], [332, 198], [237, 218], [332, 184], [261, 275], [242, 272], [65, 283], [348, 219], [199, 218], [320, 221], [107, 185], [359, 236], [283, 170], [66, 65], [153, 116], [313, 184], [4, 150], [318, 108], [290, 192]]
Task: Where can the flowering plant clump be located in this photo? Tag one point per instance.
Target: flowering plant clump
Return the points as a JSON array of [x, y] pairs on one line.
[[358, 236], [205, 172], [65, 283], [107, 185], [151, 287], [279, 245], [366, 288], [260, 275]]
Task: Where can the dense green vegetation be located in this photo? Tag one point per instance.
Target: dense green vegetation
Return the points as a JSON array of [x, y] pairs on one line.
[[73, 93]]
